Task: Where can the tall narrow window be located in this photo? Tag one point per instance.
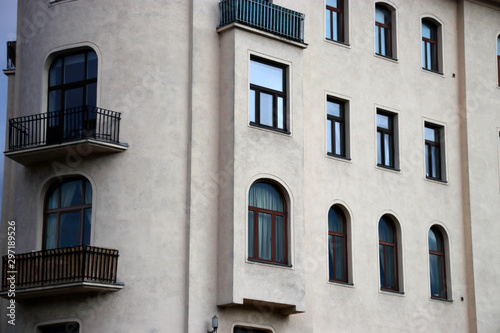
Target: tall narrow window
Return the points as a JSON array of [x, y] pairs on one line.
[[268, 95], [337, 245], [383, 31], [498, 59], [68, 211], [385, 139], [388, 253], [429, 45], [437, 263], [336, 127], [72, 87], [335, 20], [267, 224], [433, 151]]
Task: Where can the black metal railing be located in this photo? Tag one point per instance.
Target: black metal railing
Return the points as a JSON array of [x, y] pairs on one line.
[[265, 16], [66, 265], [11, 55], [85, 122]]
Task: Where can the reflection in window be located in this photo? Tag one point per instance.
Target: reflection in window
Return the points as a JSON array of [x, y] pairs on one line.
[[437, 263], [335, 20], [429, 46], [68, 211], [268, 95], [385, 139], [267, 224], [388, 254], [336, 122], [337, 245], [383, 43]]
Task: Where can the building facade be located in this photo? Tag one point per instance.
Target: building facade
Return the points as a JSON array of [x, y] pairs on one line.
[[288, 166]]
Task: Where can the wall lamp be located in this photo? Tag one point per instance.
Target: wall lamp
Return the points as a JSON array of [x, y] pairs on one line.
[[215, 324]]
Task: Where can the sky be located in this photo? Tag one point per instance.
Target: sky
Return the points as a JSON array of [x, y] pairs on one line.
[[8, 19]]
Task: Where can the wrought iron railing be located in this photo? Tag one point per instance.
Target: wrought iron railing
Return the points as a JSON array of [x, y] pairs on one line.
[[86, 122], [265, 16], [11, 55], [58, 266]]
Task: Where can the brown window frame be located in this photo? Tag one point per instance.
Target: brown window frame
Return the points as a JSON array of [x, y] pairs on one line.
[[60, 210], [435, 42], [394, 245], [342, 121], [340, 11], [391, 132], [273, 213], [442, 255], [343, 235], [379, 26], [437, 144]]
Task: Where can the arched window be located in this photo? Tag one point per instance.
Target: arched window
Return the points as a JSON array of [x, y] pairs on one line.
[[267, 224], [383, 31], [437, 263], [498, 58], [68, 211], [388, 254], [72, 87], [430, 45], [337, 244], [336, 24]]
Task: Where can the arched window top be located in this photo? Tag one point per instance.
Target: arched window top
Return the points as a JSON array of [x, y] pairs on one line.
[[429, 29], [336, 220], [382, 14], [386, 229], [266, 196], [435, 240]]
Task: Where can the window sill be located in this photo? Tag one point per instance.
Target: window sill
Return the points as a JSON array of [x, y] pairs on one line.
[[250, 260], [340, 283], [391, 59], [385, 167], [441, 299], [437, 180], [392, 292], [339, 157], [346, 45], [270, 128], [425, 70]]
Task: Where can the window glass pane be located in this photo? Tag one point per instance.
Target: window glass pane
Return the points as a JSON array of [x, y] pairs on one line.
[[87, 216], [73, 98], [377, 38], [251, 233], [265, 236], [280, 239], [431, 56], [328, 24], [52, 201], [266, 75], [51, 231], [71, 193], [336, 220], [74, 68], [427, 162], [334, 3], [436, 275], [336, 26], [331, 266], [55, 75], [339, 135], [71, 327], [91, 94], [430, 134], [435, 240], [382, 15], [281, 114], [498, 46], [384, 42], [263, 195], [383, 121], [340, 258], [266, 109], [334, 109], [391, 266], [69, 233], [88, 192], [252, 106], [388, 150], [329, 135], [428, 30], [91, 65], [379, 148], [424, 57], [385, 230], [240, 329], [382, 264], [55, 100], [435, 168]]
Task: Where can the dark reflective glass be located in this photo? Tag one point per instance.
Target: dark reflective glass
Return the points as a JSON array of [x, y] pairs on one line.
[[386, 230], [435, 240], [266, 196], [73, 98], [71, 193], [74, 68], [336, 220], [55, 75], [69, 232], [91, 65]]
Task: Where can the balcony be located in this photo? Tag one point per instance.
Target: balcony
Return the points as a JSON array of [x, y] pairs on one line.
[[70, 270], [62, 134], [264, 16], [11, 55]]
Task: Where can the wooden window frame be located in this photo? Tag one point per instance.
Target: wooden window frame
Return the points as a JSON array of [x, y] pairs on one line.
[[273, 213], [435, 42], [59, 210], [429, 158], [391, 133], [259, 89], [342, 121], [334, 264], [442, 255], [379, 26], [331, 10], [394, 245]]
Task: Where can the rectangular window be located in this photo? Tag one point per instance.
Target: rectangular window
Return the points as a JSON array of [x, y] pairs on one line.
[[268, 95], [335, 20], [434, 144], [336, 127], [386, 139], [430, 46]]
